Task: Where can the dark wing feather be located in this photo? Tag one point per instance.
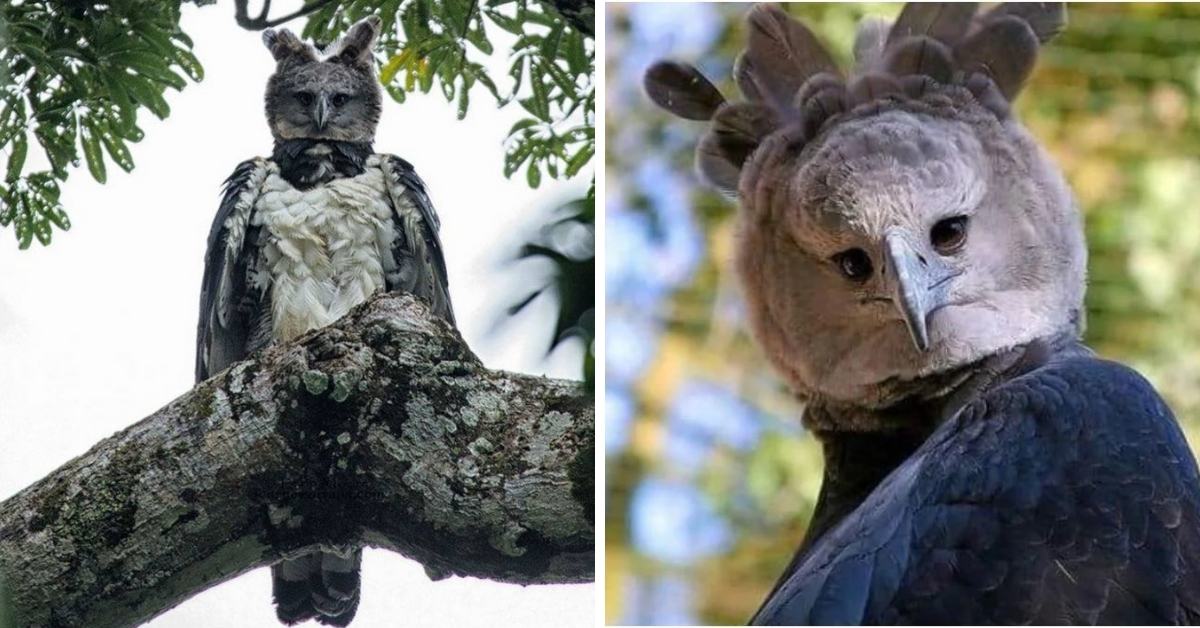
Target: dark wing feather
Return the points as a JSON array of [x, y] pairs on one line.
[[417, 249], [227, 323], [1066, 495]]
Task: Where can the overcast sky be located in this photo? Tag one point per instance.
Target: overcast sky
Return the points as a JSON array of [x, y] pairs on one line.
[[98, 330]]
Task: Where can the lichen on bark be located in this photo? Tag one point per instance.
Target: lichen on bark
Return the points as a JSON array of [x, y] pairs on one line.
[[382, 429]]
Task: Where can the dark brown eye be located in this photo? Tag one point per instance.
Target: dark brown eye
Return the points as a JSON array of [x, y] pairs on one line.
[[339, 99], [854, 264], [304, 98], [948, 235]]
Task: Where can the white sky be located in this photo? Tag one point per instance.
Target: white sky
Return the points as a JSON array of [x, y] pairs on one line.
[[97, 331]]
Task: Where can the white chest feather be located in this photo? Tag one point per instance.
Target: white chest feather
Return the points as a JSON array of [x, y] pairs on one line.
[[327, 248]]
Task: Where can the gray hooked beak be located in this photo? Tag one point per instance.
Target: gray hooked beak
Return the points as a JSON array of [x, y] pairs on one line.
[[322, 112], [919, 286]]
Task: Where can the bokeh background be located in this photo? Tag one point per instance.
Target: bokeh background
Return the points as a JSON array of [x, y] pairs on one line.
[[711, 478]]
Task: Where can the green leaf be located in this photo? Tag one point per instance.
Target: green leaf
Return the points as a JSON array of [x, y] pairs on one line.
[[57, 216], [41, 230], [116, 148], [190, 64], [396, 92], [523, 123], [479, 39], [183, 37], [126, 110], [16, 161], [164, 76], [576, 55], [482, 77], [507, 23], [581, 158], [24, 232], [533, 175], [147, 94], [396, 63], [158, 39], [550, 43], [425, 78], [516, 157], [455, 15], [91, 151]]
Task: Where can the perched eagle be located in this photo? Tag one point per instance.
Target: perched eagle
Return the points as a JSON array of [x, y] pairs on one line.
[[306, 235], [914, 266]]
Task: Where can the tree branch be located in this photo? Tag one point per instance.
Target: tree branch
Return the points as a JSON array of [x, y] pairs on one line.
[[382, 429], [242, 14]]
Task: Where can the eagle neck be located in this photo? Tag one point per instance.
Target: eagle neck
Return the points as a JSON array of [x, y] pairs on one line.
[[308, 162], [863, 445]]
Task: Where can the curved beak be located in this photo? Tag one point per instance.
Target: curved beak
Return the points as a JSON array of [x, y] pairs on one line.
[[918, 286], [321, 113]]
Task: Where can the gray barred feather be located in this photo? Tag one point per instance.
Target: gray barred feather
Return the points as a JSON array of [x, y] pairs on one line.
[[223, 329], [426, 276]]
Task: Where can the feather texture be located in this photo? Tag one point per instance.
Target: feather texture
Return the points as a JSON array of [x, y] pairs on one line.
[[682, 90], [940, 21], [930, 47], [1046, 19], [1004, 50], [1063, 495], [782, 54]]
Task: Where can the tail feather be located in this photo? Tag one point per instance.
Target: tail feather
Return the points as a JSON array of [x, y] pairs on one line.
[[322, 585]]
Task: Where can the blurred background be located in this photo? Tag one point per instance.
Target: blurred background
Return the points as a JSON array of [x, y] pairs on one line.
[[711, 478]]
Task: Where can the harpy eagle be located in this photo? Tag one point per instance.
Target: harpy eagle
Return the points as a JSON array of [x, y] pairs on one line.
[[914, 267], [305, 235]]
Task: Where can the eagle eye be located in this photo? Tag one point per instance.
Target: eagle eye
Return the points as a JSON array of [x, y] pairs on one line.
[[854, 264], [304, 98], [948, 235], [339, 99]]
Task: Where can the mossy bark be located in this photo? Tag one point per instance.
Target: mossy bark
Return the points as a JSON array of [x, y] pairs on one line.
[[382, 429]]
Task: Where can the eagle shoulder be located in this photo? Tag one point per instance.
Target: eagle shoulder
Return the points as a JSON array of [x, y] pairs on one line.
[[1067, 494], [418, 246]]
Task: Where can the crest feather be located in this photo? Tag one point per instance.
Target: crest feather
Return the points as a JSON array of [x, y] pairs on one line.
[[794, 88]]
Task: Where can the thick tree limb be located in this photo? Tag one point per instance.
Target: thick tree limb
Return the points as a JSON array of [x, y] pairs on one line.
[[383, 429]]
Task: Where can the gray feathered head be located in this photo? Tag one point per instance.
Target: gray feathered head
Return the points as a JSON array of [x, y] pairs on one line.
[[331, 94], [897, 222]]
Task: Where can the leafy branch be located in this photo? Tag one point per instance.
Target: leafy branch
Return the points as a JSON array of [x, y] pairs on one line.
[[77, 78]]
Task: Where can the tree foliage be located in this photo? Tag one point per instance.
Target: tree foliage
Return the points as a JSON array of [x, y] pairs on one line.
[[75, 76]]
